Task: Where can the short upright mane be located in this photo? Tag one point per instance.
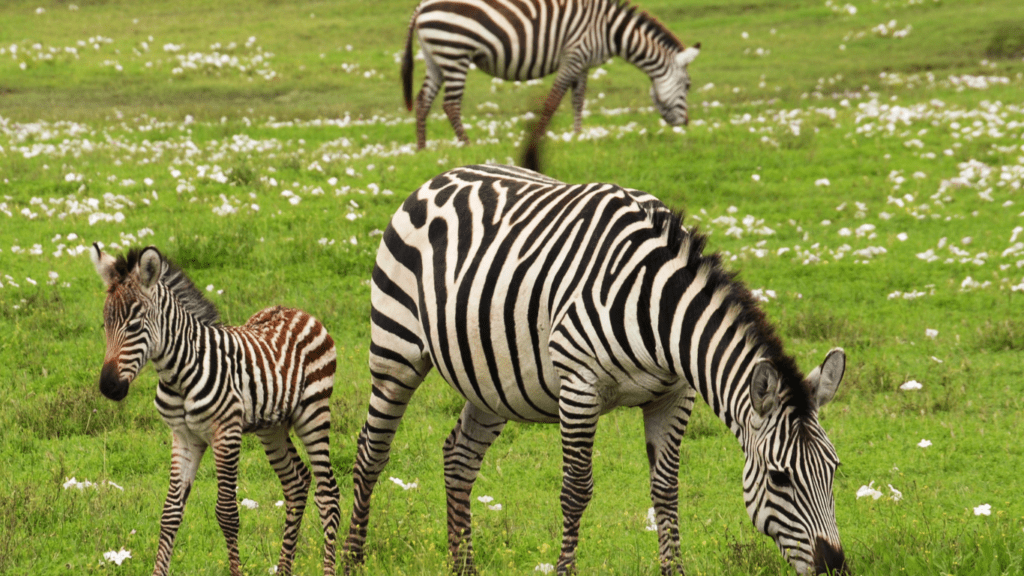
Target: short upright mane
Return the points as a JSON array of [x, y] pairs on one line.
[[653, 27], [670, 226], [174, 278]]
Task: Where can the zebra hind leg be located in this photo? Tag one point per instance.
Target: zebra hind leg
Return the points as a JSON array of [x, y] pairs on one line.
[[665, 423], [464, 451], [393, 386], [454, 85], [294, 481], [425, 99], [313, 429]]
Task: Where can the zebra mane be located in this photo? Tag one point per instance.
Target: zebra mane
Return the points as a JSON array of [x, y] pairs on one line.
[[652, 26], [689, 244], [174, 278]]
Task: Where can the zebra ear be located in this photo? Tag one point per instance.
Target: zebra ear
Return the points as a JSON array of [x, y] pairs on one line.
[[104, 264], [764, 387], [150, 265], [824, 380], [688, 55]]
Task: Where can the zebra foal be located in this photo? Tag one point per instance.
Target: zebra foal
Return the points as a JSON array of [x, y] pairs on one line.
[[540, 301], [217, 382], [527, 39]]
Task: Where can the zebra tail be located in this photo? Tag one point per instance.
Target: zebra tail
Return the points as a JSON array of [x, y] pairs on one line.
[[407, 63]]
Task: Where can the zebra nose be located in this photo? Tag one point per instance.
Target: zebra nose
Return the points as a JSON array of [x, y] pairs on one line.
[[111, 384], [829, 559]]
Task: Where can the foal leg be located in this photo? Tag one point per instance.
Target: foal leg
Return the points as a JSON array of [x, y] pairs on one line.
[[186, 453], [227, 441], [665, 423], [313, 427], [464, 451], [294, 481]]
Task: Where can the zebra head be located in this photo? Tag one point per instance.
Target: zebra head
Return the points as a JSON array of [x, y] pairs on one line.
[[790, 465], [128, 315], [670, 89]]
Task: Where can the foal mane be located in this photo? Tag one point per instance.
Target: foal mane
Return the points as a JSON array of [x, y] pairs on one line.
[[175, 279]]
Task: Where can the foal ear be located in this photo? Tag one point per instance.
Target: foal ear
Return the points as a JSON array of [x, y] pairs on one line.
[[764, 387], [150, 265], [104, 264]]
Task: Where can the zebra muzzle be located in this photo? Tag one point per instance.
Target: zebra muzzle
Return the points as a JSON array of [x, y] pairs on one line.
[[111, 384], [829, 559]]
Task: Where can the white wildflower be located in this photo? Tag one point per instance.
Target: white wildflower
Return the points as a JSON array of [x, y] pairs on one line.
[[911, 385], [117, 556]]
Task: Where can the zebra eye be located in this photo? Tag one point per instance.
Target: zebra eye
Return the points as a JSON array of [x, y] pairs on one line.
[[780, 479]]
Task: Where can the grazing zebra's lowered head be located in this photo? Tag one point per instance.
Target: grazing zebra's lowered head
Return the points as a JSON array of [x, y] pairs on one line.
[[790, 463], [670, 90], [131, 318]]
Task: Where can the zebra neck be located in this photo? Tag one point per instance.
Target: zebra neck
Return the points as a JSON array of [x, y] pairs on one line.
[[717, 353], [638, 38], [182, 339]]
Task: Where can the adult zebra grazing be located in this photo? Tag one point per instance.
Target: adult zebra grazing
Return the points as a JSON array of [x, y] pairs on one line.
[[540, 301], [526, 39], [217, 382]]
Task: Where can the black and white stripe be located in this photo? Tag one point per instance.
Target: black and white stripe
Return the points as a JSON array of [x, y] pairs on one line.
[[217, 382], [545, 302], [526, 39]]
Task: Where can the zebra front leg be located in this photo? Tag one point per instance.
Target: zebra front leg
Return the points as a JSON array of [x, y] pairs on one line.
[[665, 423], [227, 441], [294, 481], [578, 408], [579, 92], [186, 453], [531, 153], [464, 451]]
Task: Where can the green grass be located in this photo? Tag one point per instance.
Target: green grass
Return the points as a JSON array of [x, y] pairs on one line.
[[879, 117]]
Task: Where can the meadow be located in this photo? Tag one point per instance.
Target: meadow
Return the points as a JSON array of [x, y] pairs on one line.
[[859, 164]]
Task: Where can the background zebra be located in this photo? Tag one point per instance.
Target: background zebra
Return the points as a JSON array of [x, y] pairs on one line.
[[540, 301], [217, 382], [525, 39]]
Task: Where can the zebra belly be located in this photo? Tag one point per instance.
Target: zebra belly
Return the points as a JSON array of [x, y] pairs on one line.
[[513, 391]]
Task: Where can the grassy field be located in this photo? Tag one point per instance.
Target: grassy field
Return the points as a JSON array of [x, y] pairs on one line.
[[859, 163]]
